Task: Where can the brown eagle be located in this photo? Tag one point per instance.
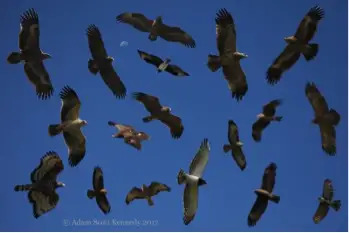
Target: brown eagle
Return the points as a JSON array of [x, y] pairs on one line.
[[264, 195], [42, 191], [129, 134], [102, 63], [326, 202], [99, 192], [229, 57], [235, 145], [162, 65], [325, 118], [296, 45], [161, 113], [31, 55], [156, 28], [265, 118], [146, 192], [70, 126], [193, 180]]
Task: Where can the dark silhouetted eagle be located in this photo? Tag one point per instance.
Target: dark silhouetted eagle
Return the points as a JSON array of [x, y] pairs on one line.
[[70, 126], [296, 45], [42, 191], [156, 28], [102, 63], [31, 55], [325, 118], [146, 192], [129, 134], [161, 113], [235, 145], [264, 195], [193, 180], [229, 57], [265, 118], [99, 192], [326, 202], [162, 65]]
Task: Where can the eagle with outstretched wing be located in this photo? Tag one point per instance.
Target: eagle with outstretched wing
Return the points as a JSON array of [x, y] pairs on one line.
[[129, 134], [99, 192], [325, 118], [102, 63], [146, 192], [296, 45], [70, 126], [193, 180], [161, 113], [264, 195], [42, 191], [229, 57], [156, 28], [235, 145], [326, 201], [31, 55]]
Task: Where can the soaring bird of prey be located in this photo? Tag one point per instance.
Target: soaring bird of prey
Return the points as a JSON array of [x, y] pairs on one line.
[[99, 192], [162, 65], [129, 134], [265, 118], [296, 45], [264, 195], [70, 126], [193, 180], [102, 63], [31, 55], [156, 28], [235, 145], [325, 118], [161, 113], [229, 57], [326, 202], [146, 192], [42, 191]]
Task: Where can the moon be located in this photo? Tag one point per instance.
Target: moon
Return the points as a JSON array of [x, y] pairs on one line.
[[124, 44]]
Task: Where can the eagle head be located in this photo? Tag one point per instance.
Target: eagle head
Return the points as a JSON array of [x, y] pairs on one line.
[[260, 115], [166, 109], [83, 123], [290, 39], [103, 191], [45, 56], [60, 184]]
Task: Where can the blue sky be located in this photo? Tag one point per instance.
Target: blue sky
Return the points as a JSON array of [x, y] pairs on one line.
[[202, 100]]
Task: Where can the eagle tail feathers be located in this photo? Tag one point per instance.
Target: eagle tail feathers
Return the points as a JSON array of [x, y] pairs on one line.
[[310, 51], [14, 58], [336, 205], [90, 194], [54, 130], [214, 62], [150, 202], [275, 198], [278, 118], [226, 148], [93, 66], [334, 116], [181, 177], [147, 119], [24, 187]]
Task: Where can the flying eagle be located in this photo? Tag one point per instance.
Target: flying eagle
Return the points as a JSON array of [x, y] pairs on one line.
[[296, 45], [146, 192], [162, 65], [31, 55], [102, 63], [129, 134], [156, 28], [324, 117], [326, 202], [265, 118], [193, 180], [70, 126], [99, 192], [235, 145], [42, 191], [161, 113], [229, 57], [264, 194]]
